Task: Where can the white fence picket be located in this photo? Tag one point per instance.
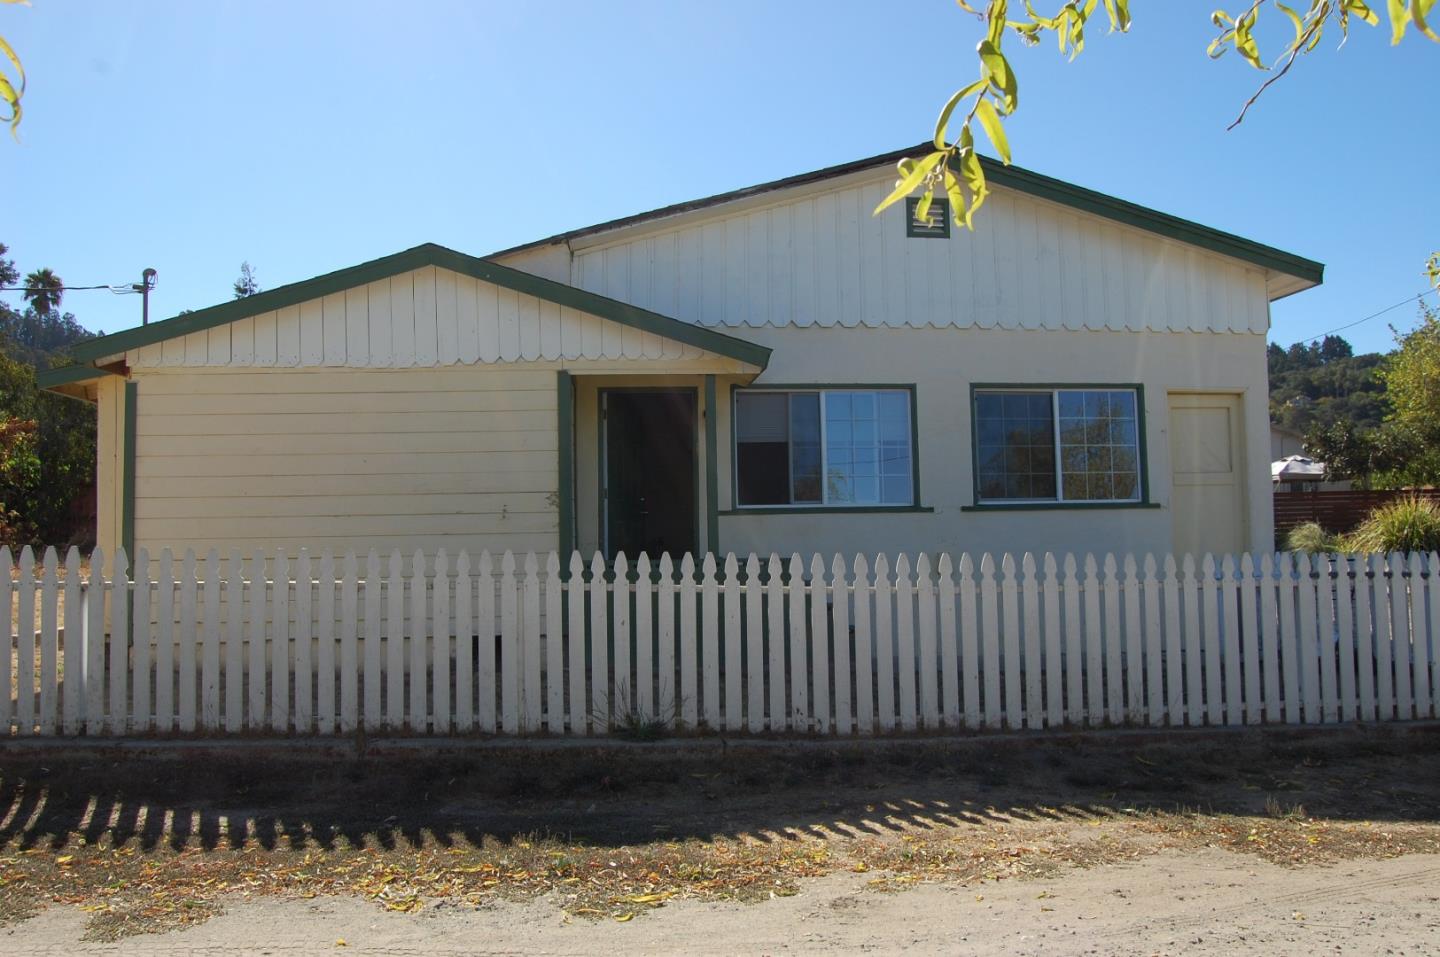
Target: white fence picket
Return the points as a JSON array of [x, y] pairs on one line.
[[1230, 622], [838, 650], [71, 691], [440, 648], [50, 645], [209, 641], [819, 669], [884, 645], [990, 664], [140, 630], [531, 704], [864, 657], [905, 642], [1134, 653], [1010, 643], [840, 617], [754, 643], [733, 673], [349, 653], [554, 640], [710, 643], [928, 647]]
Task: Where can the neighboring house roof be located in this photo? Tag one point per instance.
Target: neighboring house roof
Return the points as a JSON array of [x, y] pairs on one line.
[[1307, 271], [429, 254]]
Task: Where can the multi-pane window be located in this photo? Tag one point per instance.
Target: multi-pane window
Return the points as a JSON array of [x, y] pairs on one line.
[[824, 447], [1057, 445]]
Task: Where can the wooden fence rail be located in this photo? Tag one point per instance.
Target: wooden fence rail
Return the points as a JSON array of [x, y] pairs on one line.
[[519, 645]]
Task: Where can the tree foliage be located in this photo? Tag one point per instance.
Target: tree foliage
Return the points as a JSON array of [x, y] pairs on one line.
[[247, 284], [47, 441], [11, 91], [1318, 384], [1412, 374], [954, 166]]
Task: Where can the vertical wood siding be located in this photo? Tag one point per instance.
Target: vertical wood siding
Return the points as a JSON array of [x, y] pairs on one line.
[[424, 318], [823, 259]]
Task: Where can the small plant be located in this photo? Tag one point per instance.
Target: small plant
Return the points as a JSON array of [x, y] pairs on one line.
[[1410, 524], [1311, 539], [629, 722]]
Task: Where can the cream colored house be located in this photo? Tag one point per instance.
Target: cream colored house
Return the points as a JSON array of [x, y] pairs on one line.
[[773, 369]]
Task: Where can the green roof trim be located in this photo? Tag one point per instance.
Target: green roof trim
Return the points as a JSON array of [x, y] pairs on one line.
[[68, 375], [418, 257], [1013, 177]]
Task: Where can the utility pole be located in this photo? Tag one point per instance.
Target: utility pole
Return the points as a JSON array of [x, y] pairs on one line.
[[143, 287]]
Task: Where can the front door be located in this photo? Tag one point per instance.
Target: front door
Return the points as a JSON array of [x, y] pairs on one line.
[[648, 472], [1207, 452]]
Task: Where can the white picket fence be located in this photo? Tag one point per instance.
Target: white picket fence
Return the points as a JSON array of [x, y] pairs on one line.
[[453, 646]]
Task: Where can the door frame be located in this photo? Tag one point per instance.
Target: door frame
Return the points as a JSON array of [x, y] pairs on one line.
[[601, 395]]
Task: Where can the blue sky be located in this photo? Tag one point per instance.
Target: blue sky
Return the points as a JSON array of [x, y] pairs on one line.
[[310, 136]]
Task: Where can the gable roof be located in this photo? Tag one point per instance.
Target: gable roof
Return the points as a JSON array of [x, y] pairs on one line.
[[1308, 271], [418, 257]]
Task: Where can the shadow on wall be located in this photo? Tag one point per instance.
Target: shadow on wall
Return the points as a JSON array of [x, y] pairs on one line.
[[291, 798]]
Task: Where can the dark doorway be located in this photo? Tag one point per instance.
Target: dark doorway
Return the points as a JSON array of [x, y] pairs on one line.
[[648, 499]]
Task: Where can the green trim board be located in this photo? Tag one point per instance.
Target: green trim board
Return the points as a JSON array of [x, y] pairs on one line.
[[712, 469], [565, 429], [69, 375], [419, 257], [127, 471], [1014, 177], [1142, 448], [829, 510], [914, 506]]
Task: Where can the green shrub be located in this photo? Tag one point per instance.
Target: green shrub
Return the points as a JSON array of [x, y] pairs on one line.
[[1311, 539], [1409, 524]]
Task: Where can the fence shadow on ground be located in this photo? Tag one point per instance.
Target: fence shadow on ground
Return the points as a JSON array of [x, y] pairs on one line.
[[282, 798]]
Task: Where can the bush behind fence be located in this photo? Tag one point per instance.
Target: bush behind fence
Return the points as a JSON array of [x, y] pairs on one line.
[[435, 644]]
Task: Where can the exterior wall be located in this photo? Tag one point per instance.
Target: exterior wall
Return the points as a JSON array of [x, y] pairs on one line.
[[943, 364], [816, 256], [426, 317], [354, 458]]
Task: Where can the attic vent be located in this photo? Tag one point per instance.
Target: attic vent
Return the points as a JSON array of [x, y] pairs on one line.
[[939, 225]]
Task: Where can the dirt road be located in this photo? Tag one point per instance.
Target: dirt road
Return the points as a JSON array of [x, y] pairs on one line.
[[1207, 902], [1256, 843]]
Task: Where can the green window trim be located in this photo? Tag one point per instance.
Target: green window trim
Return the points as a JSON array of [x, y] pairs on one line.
[[712, 470], [565, 427], [915, 499], [977, 505]]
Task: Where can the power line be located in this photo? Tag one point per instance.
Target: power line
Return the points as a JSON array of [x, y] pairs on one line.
[[117, 288], [1374, 315]]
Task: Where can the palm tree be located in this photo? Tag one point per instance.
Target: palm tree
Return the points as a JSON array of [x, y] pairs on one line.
[[44, 290]]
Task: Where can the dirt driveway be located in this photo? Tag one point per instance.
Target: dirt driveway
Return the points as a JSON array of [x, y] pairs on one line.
[[1110, 844]]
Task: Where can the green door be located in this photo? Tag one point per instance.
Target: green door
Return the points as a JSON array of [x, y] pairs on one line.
[[649, 471]]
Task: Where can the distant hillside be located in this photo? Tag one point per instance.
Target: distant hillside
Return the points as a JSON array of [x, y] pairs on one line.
[[1325, 382]]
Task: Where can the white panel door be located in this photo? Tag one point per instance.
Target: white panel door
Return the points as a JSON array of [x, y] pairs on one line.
[[1207, 455]]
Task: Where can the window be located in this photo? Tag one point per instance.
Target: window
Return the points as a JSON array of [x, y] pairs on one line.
[[836, 447], [1057, 445]]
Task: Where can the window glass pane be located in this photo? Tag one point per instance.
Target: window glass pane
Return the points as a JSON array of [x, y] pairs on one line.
[[762, 454], [1099, 445], [805, 446], [1016, 457]]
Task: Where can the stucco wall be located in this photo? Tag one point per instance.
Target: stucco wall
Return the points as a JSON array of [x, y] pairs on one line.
[[943, 364]]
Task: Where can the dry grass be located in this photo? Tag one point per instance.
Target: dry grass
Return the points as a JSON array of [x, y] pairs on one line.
[[148, 844]]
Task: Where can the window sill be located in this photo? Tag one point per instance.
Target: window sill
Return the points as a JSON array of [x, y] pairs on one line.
[[1054, 506], [827, 510]]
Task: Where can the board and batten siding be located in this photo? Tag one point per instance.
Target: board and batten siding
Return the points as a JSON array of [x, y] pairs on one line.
[[423, 318], [817, 257]]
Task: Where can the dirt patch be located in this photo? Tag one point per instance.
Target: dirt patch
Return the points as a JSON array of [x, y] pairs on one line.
[[144, 842]]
